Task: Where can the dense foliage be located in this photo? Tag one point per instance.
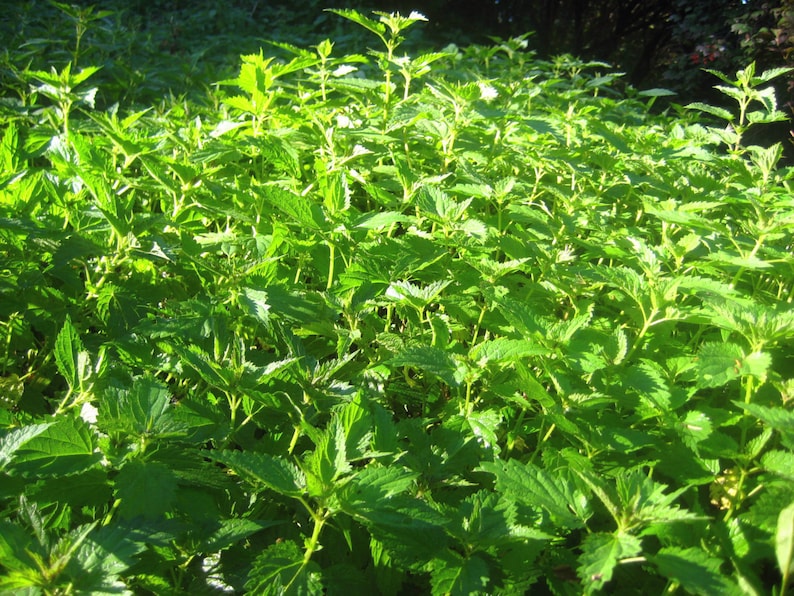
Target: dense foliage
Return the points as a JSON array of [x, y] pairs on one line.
[[453, 323]]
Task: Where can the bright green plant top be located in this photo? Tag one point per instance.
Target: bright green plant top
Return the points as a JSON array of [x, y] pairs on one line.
[[458, 323]]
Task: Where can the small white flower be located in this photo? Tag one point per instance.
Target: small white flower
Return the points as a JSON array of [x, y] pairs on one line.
[[487, 92], [417, 16], [88, 413], [343, 121], [344, 69]]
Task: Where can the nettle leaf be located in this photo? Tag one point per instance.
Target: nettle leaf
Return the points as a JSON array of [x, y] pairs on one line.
[[276, 473], [455, 575], [695, 427], [694, 570], [779, 462], [776, 418], [280, 570], [718, 363], [255, 302], [231, 531], [533, 486], [328, 462], [485, 519], [107, 553], [66, 446], [435, 361], [646, 380], [503, 350], [600, 555], [145, 489], [143, 409], [11, 441], [70, 356], [784, 542]]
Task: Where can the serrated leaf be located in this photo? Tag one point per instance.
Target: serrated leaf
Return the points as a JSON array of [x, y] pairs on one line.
[[485, 425], [66, 446], [232, 531], [329, 460], [694, 570], [434, 361], [142, 409], [601, 553], [454, 575], [16, 438], [380, 219], [503, 350], [535, 487], [280, 570], [696, 427], [68, 348], [784, 542], [718, 363], [255, 302], [776, 418], [274, 472], [779, 462], [713, 110], [145, 489], [376, 27]]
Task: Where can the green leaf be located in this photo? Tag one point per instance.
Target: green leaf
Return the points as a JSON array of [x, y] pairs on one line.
[[329, 460], [432, 360], [505, 350], [776, 418], [70, 355], [454, 575], [718, 363], [376, 27], [535, 487], [713, 110], [601, 553], [16, 438], [280, 570], [784, 543], [694, 570], [231, 531], [142, 409], [66, 446], [145, 489], [276, 473], [779, 462], [107, 553]]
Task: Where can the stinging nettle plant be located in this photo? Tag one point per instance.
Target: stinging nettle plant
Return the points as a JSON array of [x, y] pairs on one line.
[[505, 332]]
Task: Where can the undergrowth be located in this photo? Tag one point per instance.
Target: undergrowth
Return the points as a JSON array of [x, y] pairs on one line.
[[452, 323]]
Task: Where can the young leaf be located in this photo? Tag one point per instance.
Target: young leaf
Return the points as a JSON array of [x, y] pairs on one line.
[[142, 409], [68, 351]]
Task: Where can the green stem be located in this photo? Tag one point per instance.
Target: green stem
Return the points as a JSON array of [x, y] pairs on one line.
[[332, 258], [311, 545]]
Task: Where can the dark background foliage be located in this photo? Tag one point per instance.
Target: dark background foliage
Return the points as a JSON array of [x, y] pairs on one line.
[[657, 43]]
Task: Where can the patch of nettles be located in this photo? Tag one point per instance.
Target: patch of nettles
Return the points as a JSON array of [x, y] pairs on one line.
[[452, 323]]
